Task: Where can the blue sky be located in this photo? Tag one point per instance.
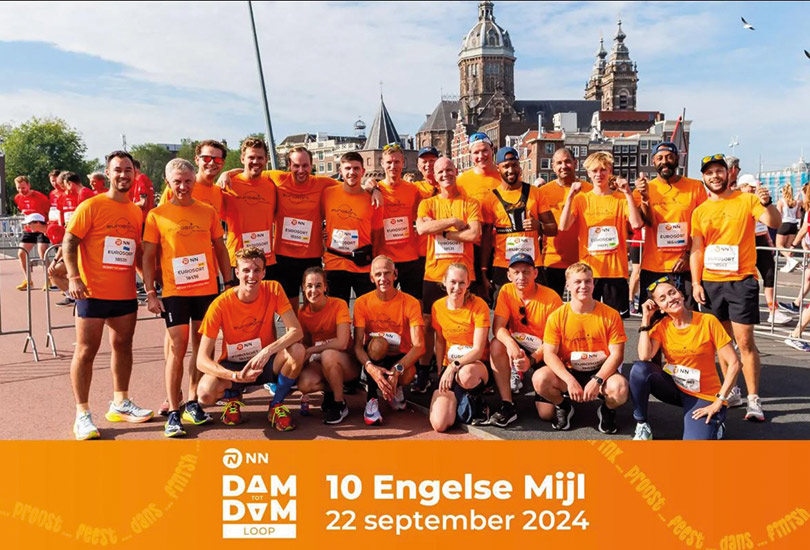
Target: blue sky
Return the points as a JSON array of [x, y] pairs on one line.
[[163, 71]]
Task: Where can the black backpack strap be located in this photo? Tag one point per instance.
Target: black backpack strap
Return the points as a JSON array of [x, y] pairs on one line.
[[515, 211]]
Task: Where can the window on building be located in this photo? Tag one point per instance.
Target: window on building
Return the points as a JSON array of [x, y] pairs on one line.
[[575, 150], [617, 149], [549, 148], [625, 149], [632, 175], [545, 176], [583, 151], [545, 164], [633, 149], [320, 155], [634, 160], [624, 101], [645, 159], [329, 167], [644, 144], [320, 167]]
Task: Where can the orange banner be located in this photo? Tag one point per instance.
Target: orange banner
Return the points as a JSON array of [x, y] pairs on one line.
[[475, 494]]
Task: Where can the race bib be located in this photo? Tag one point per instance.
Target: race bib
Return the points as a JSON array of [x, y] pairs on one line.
[[519, 245], [396, 229], [602, 239], [447, 247], [243, 351], [53, 214], [190, 270], [344, 240], [392, 338], [587, 361], [457, 352], [672, 235], [68, 217], [722, 257], [259, 239], [684, 377], [528, 341], [295, 231], [119, 253], [760, 228]]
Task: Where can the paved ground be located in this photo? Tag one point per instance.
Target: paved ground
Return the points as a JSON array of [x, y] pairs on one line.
[[41, 391]]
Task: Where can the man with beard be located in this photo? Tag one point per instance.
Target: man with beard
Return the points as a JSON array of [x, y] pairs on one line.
[[666, 204], [723, 264]]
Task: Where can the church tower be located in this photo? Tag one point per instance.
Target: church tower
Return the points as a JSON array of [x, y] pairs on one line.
[[620, 82], [593, 88]]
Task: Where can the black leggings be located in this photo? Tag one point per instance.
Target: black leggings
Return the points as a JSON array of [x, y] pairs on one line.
[[765, 262]]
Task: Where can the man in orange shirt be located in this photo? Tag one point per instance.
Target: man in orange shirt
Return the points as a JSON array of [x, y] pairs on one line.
[[666, 204], [251, 354], [515, 216], [723, 264], [561, 250], [388, 338], [188, 234], [350, 222], [101, 248], [583, 347], [602, 217], [209, 155]]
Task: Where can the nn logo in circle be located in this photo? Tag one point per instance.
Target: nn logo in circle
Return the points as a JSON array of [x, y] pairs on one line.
[[232, 458]]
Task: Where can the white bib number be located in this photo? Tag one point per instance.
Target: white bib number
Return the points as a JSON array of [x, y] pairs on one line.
[[392, 338], [528, 341], [244, 351], [457, 352], [722, 257], [519, 245], [587, 361], [190, 270], [602, 239], [295, 231], [53, 214], [68, 217], [760, 228], [396, 229], [672, 235], [447, 247], [684, 377], [344, 240], [259, 239], [119, 253]]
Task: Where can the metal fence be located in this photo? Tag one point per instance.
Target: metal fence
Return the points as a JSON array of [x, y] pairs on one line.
[[29, 339]]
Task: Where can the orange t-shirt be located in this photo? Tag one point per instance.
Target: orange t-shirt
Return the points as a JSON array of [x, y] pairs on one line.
[[246, 328], [442, 252], [672, 207], [299, 215], [110, 233], [350, 221], [457, 326], [561, 250], [727, 228], [426, 190], [391, 319], [601, 222], [184, 235], [208, 194], [248, 208], [476, 186], [320, 326], [583, 338], [508, 244], [398, 238], [538, 309]]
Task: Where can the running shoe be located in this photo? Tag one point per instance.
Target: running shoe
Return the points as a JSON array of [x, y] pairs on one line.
[[128, 411], [281, 418], [66, 302], [789, 307], [480, 409], [232, 413], [164, 407], [779, 318], [271, 388], [83, 427], [563, 413], [398, 401], [797, 344], [372, 414], [735, 397], [194, 414], [173, 426], [516, 380], [790, 265], [24, 285], [643, 432], [753, 411], [607, 419], [505, 415], [351, 387], [336, 413], [421, 382]]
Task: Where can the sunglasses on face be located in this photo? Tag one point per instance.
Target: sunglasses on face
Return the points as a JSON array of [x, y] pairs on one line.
[[219, 161], [479, 136], [710, 158]]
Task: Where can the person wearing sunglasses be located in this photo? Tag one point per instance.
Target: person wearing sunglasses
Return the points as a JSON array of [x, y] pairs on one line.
[[521, 311], [604, 219], [724, 265], [666, 204], [689, 342], [583, 348], [209, 156]]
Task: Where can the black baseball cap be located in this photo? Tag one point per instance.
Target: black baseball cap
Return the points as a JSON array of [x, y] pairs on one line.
[[430, 150]]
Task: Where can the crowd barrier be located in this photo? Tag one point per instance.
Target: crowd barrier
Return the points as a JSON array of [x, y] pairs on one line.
[[29, 339], [805, 254], [11, 230]]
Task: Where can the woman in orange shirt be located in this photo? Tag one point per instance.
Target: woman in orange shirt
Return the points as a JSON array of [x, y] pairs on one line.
[[462, 324], [689, 341], [326, 323]]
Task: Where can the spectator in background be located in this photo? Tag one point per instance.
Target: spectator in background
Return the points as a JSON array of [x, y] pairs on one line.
[[98, 183], [34, 206], [143, 191]]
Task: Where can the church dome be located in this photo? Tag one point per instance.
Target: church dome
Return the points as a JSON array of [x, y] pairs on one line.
[[486, 37]]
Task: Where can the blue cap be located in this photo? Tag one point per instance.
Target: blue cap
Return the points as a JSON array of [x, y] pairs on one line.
[[428, 151], [521, 258], [506, 153], [666, 146]]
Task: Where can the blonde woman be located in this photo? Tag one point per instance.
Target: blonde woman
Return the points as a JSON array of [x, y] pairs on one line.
[[790, 208]]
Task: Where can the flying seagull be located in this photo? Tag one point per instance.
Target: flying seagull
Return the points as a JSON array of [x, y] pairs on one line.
[[807, 54], [746, 24]]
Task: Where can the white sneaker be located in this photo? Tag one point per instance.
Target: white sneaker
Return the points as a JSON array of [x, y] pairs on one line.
[[753, 411], [797, 344], [516, 381], [372, 414], [790, 265], [398, 402], [735, 398], [643, 432], [127, 411], [779, 318], [83, 427]]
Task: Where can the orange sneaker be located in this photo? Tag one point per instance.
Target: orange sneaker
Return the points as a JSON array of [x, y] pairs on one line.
[[24, 285], [232, 413], [281, 418]]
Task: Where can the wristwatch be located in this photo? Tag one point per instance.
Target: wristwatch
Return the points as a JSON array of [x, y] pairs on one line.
[[599, 380], [399, 368], [720, 396], [456, 364]]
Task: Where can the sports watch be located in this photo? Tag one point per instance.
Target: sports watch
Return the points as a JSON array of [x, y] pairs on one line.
[[399, 368], [599, 380]]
